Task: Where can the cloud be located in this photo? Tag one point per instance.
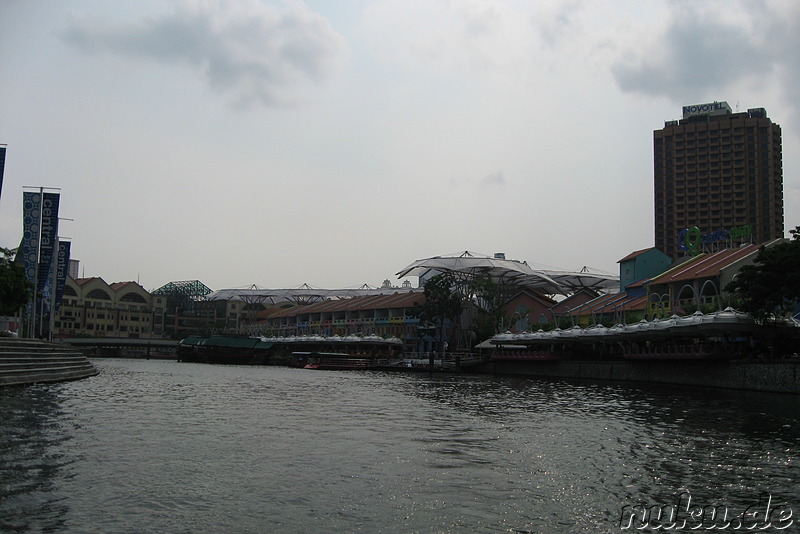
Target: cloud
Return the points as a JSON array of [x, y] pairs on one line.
[[252, 52], [708, 46], [494, 179], [557, 22], [469, 35], [695, 58]]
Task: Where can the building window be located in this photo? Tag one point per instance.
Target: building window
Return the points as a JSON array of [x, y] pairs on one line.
[[98, 294], [133, 297]]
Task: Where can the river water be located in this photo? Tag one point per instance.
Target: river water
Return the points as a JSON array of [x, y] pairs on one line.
[[162, 446]]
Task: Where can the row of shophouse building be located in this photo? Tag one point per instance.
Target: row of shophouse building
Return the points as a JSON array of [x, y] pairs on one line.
[[650, 284], [91, 307]]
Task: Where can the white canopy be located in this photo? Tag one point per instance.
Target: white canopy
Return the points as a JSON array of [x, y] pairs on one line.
[[305, 294], [720, 321], [586, 278], [512, 272]]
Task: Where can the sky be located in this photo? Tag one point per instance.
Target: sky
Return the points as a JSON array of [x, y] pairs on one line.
[[333, 143]]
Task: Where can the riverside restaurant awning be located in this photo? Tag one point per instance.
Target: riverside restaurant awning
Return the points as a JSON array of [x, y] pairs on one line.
[[728, 320]]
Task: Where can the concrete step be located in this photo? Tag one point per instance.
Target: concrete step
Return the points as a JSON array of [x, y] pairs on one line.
[[32, 361], [44, 369], [38, 364], [43, 356], [38, 376], [15, 346]]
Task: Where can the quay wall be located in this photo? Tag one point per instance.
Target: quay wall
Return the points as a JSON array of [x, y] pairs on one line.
[[781, 376]]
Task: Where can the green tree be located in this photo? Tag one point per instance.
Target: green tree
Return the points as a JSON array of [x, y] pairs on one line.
[[15, 289], [771, 286], [442, 302], [491, 297]]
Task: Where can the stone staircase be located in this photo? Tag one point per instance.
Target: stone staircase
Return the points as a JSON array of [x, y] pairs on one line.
[[28, 361]]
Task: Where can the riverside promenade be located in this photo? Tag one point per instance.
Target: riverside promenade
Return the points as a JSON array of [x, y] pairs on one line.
[[28, 361]]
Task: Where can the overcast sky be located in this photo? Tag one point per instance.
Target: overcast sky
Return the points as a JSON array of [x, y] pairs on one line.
[[333, 143]]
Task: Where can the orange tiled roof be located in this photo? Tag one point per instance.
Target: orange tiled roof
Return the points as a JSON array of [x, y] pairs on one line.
[[634, 254], [116, 286], [544, 299], [270, 312], [398, 300], [83, 281], [705, 265], [638, 283], [610, 303]]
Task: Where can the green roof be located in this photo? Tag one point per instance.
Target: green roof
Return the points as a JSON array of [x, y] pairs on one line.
[[227, 341]]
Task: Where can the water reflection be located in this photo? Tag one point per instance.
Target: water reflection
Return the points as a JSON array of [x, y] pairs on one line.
[[32, 459], [636, 442], [183, 447]]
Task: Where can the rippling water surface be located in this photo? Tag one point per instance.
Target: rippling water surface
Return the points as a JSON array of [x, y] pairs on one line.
[[161, 446]]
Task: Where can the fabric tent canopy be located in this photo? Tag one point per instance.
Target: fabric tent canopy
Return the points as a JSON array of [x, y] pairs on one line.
[[586, 278], [504, 271], [305, 294]]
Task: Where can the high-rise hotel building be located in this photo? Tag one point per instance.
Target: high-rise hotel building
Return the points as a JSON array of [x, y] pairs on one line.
[[718, 179]]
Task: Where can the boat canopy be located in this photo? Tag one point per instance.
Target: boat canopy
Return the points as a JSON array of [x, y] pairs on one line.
[[227, 341]]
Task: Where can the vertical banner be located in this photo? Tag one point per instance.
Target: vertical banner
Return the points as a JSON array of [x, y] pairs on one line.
[[63, 268], [47, 247], [2, 167], [31, 224], [29, 249]]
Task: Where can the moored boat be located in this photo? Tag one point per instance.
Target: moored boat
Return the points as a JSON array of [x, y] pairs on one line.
[[223, 349], [334, 352], [335, 361]]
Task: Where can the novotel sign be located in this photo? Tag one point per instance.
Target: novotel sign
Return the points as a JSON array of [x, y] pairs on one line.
[[712, 108]]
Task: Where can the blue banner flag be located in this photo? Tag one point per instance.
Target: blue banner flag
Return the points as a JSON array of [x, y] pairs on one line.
[[63, 268], [47, 247], [31, 224], [2, 167]]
